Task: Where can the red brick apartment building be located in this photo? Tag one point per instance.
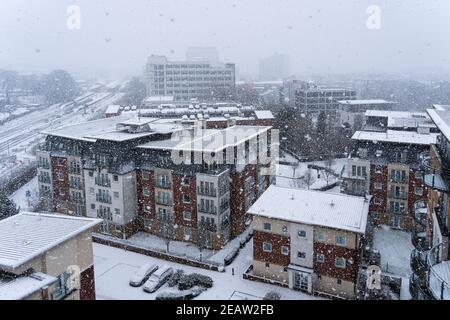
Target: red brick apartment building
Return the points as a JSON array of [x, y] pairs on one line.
[[392, 147], [121, 170], [313, 241]]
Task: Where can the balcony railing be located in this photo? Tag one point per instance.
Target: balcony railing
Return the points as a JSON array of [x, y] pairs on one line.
[[418, 288], [44, 165], [163, 185], [224, 206], [163, 202], [76, 200], [418, 262], [210, 210], [207, 192], [398, 195], [103, 199], [44, 179]]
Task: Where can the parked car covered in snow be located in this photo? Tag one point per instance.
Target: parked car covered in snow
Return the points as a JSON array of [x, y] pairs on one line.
[[157, 279], [142, 274]]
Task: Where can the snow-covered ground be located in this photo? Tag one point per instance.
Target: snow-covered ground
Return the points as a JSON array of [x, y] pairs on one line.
[[20, 135], [395, 248], [293, 175], [20, 196], [113, 268]]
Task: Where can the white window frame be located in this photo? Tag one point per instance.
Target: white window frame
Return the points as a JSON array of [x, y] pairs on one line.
[[269, 247]]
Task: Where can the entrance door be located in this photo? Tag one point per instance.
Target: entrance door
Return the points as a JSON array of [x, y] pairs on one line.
[[301, 281]]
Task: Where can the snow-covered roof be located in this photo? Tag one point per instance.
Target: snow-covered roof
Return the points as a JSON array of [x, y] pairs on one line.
[[209, 140], [264, 114], [159, 99], [114, 129], [441, 117], [367, 101], [395, 114], [332, 210], [112, 109], [24, 286], [27, 235], [396, 136]]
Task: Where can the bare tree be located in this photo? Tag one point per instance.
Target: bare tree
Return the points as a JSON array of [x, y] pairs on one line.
[[294, 166], [166, 230], [328, 172], [309, 178], [205, 230]]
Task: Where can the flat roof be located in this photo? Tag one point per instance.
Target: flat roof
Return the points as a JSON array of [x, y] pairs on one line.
[[395, 114], [397, 136], [113, 129], [367, 101], [332, 210], [114, 108], [208, 140], [24, 286], [264, 114], [27, 235], [440, 115]]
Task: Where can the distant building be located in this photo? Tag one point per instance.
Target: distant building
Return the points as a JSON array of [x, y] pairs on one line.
[[46, 257], [356, 177], [112, 111], [313, 100], [352, 112], [383, 120], [275, 67], [185, 80], [209, 54], [309, 240]]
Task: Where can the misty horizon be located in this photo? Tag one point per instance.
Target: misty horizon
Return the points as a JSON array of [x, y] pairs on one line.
[[319, 37]]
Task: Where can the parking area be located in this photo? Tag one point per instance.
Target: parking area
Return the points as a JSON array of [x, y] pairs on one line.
[[114, 267]]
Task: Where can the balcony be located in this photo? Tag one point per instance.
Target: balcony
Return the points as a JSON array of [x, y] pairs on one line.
[[44, 165], [103, 182], [209, 210], [436, 181], [44, 179], [103, 199], [439, 272], [76, 200], [207, 192]]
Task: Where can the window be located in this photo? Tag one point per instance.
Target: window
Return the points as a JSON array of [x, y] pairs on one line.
[[115, 178], [302, 233], [93, 206], [187, 215], [339, 263], [339, 281], [284, 229], [267, 265], [418, 191], [378, 201], [185, 181], [147, 208], [147, 223], [267, 226], [285, 250], [267, 247], [66, 283], [60, 175], [301, 255], [62, 192], [186, 198], [378, 185], [146, 192], [187, 231], [91, 173], [145, 175], [91, 190], [341, 240], [320, 257], [116, 194], [117, 211], [321, 236]]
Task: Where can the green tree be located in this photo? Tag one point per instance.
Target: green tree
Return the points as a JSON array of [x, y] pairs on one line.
[[7, 206], [135, 92]]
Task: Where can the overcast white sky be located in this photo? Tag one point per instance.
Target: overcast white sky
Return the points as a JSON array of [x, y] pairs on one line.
[[321, 36]]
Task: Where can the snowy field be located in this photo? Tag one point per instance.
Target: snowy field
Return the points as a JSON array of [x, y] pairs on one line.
[[113, 268], [19, 197]]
